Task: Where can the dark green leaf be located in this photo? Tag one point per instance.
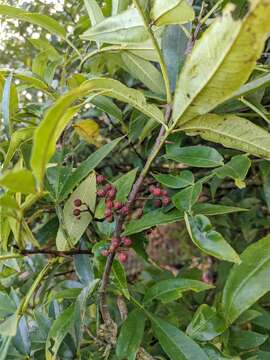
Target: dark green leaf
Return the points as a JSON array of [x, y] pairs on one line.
[[184, 179], [248, 281], [209, 240], [130, 336], [197, 156], [173, 289], [176, 344], [185, 199], [206, 324]]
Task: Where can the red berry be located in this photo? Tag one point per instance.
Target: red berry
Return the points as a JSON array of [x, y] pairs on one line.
[[157, 191], [105, 252], [166, 200], [114, 244], [164, 192], [111, 193], [109, 204], [108, 213], [78, 202], [108, 187], [109, 219], [157, 203], [117, 205], [76, 212], [100, 179], [127, 241], [101, 193], [123, 257], [125, 210]]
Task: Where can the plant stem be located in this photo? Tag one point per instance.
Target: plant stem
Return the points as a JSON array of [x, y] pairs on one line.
[[163, 66], [163, 134]]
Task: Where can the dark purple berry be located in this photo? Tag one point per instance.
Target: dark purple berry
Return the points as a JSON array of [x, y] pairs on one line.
[[124, 210], [157, 203], [76, 212], [78, 202]]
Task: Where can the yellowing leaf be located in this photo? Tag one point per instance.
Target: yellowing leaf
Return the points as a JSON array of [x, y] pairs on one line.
[[21, 181], [222, 60], [88, 130], [60, 114], [231, 131], [171, 12]]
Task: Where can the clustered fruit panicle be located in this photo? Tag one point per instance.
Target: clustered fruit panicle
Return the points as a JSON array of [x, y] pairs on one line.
[[118, 245], [161, 196]]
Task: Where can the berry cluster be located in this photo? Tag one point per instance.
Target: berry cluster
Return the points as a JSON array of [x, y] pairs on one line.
[[111, 205], [77, 211], [161, 196], [118, 244]]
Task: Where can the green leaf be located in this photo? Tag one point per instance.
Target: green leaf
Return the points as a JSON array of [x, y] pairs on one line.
[[184, 179], [208, 240], [7, 201], [252, 86], [231, 131], [7, 108], [171, 12], [21, 181], [185, 199], [174, 44], [118, 6], [119, 274], [45, 138], [245, 340], [86, 167], [94, 11], [18, 138], [264, 167], [123, 28], [197, 156], [106, 105], [60, 114], [157, 217], [214, 209], [130, 336], [7, 305], [206, 324], [9, 326], [80, 310], [58, 331], [145, 71], [84, 268], [236, 168], [173, 289], [124, 185], [6, 341], [247, 282], [221, 60], [73, 227], [27, 77], [176, 344], [44, 21]]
